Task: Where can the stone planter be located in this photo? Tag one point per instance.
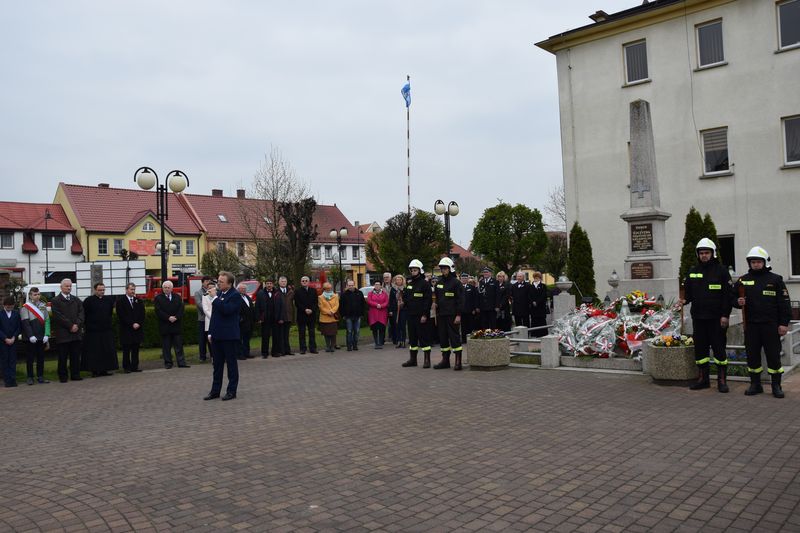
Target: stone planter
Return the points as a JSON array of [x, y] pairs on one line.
[[669, 364], [488, 354]]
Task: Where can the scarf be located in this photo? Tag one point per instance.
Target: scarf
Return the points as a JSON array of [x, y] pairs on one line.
[[327, 294]]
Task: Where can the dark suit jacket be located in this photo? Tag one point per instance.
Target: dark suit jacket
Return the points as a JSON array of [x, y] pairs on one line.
[[65, 314], [488, 294], [287, 311], [165, 309], [10, 327], [269, 309], [521, 299], [306, 298], [128, 315], [247, 314], [225, 311], [539, 297]]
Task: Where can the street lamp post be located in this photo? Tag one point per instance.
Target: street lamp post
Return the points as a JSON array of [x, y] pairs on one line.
[[177, 181], [358, 248], [339, 235], [450, 211], [45, 244]]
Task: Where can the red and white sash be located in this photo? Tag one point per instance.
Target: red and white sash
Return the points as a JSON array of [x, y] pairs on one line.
[[36, 311]]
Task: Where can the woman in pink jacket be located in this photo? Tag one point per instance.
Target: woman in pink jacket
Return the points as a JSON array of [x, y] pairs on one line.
[[378, 315]]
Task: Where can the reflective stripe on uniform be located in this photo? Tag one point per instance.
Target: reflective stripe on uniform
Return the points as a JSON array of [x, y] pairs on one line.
[[457, 349], [417, 295], [776, 371], [768, 293], [449, 294], [413, 348], [723, 362], [696, 275], [702, 361], [714, 287], [748, 282], [426, 348], [755, 370]]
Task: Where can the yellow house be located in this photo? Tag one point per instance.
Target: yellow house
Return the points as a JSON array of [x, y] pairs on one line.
[[108, 220]]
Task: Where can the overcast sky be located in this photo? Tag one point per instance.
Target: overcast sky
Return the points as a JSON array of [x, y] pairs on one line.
[[94, 89]]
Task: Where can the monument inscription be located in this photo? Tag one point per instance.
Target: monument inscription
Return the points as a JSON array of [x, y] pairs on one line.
[[642, 270], [641, 237]]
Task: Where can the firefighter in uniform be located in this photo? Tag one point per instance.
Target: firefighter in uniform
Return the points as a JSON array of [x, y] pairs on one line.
[[449, 304], [490, 307], [417, 302], [469, 313], [708, 289], [763, 297]]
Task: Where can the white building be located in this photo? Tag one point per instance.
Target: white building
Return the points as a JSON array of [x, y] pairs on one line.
[[37, 243], [723, 81]]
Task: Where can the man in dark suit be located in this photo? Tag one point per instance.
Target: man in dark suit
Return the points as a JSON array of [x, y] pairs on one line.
[[269, 306], [10, 329], [539, 305], [223, 331], [67, 330], [286, 294], [490, 307], [472, 303], [130, 315], [307, 304], [247, 317], [169, 310], [521, 301]]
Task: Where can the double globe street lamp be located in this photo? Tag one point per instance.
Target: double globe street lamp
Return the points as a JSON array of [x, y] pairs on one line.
[[339, 235], [176, 181], [450, 210]]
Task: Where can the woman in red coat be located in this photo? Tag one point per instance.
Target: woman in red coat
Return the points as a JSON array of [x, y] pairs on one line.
[[378, 314]]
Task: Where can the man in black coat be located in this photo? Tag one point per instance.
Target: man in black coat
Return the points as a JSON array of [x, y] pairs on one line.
[[67, 330], [169, 310], [130, 315], [469, 315], [307, 304], [269, 306], [99, 349], [247, 318], [490, 306], [521, 301], [539, 305]]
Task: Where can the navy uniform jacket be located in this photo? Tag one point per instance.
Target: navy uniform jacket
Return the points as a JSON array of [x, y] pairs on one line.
[[225, 309], [766, 298], [449, 296], [471, 299], [708, 288], [487, 288], [11, 327]]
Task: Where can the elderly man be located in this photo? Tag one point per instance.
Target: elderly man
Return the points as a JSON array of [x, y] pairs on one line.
[[247, 317], [224, 334], [169, 311], [286, 294], [67, 329], [307, 304]]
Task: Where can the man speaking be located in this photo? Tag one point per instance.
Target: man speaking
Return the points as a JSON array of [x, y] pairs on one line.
[[223, 332]]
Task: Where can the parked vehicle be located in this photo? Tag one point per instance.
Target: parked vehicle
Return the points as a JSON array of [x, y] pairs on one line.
[[47, 290]]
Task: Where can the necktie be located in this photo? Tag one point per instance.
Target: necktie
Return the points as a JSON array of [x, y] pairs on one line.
[[131, 300]]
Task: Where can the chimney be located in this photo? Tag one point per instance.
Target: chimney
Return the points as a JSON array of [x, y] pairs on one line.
[[103, 185], [217, 193], [599, 16], [240, 194]]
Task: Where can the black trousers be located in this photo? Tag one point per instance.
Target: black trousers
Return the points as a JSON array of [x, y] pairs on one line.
[[130, 356], [449, 336], [169, 342], [267, 333], [225, 353], [284, 328], [69, 351], [467, 320], [35, 352], [764, 336], [710, 336], [418, 334], [306, 323], [488, 319], [538, 321], [522, 320], [244, 344], [202, 339]]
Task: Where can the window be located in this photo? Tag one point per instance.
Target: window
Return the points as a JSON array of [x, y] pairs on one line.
[[343, 252], [709, 44], [148, 227], [794, 252], [356, 254], [102, 246], [240, 249], [715, 151], [635, 62], [316, 253], [53, 242], [177, 244], [789, 24], [791, 140], [222, 218], [267, 219], [222, 247], [189, 247], [6, 240], [726, 251], [329, 252], [117, 246]]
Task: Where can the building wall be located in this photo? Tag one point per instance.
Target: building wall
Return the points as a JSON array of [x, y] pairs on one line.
[[749, 95], [34, 264]]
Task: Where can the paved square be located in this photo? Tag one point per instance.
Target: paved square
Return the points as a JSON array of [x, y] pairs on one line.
[[353, 442]]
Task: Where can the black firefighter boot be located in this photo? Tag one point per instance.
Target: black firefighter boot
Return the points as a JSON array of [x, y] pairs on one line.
[[444, 363], [412, 359], [702, 379], [777, 391], [755, 385], [426, 354], [722, 378], [457, 366]]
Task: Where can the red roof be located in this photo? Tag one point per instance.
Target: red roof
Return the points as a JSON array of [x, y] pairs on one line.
[[22, 216], [111, 210], [462, 252]]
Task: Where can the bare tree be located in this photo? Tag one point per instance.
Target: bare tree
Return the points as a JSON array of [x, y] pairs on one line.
[[555, 209]]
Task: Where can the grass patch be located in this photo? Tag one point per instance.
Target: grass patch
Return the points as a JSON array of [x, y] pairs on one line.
[[526, 359]]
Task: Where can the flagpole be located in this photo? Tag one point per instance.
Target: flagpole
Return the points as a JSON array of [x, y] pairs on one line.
[[408, 150]]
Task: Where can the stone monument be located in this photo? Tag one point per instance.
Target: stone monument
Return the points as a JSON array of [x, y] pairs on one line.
[[648, 267]]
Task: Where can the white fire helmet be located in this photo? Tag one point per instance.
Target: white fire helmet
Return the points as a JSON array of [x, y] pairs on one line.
[[707, 244]]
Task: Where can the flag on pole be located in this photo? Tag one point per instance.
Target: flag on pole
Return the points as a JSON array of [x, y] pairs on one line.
[[406, 92]]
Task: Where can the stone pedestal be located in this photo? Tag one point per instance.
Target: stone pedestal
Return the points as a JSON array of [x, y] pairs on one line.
[[563, 303], [551, 352], [669, 364], [488, 354]]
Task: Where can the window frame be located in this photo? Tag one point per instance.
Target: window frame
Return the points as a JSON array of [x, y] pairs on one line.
[[53, 237], [316, 253], [355, 251], [190, 247], [713, 173], [148, 227], [792, 275], [328, 252], [222, 246], [786, 162], [730, 260], [625, 47], [101, 243], [241, 249], [222, 218], [781, 47], [121, 242], [5, 235], [697, 28], [178, 247]]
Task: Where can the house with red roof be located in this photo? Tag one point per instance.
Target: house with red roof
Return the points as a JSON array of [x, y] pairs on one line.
[[37, 243]]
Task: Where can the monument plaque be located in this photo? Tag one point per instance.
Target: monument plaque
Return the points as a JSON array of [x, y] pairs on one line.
[[641, 237], [642, 270]]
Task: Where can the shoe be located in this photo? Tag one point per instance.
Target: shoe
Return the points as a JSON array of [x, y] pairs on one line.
[[412, 360], [276, 355], [126, 371], [62, 380], [288, 353], [355, 347], [702, 379], [302, 352], [457, 366], [77, 378], [30, 381], [211, 396], [11, 384], [755, 385], [426, 360], [167, 365], [722, 378], [777, 391], [264, 356], [42, 380], [228, 396], [349, 349], [203, 359], [136, 369], [184, 366], [444, 363], [379, 347], [313, 351]]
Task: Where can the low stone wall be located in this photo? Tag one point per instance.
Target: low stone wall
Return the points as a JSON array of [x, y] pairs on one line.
[[612, 363], [488, 354]]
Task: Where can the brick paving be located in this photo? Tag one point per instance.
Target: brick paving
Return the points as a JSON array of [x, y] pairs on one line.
[[352, 442]]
